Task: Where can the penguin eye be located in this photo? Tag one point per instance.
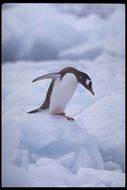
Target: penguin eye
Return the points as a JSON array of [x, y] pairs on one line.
[[88, 82]]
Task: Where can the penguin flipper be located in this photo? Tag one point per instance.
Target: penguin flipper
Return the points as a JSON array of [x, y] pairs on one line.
[[49, 76], [45, 105]]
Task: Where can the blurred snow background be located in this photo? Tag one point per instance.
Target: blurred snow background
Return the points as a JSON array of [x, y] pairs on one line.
[[43, 150]]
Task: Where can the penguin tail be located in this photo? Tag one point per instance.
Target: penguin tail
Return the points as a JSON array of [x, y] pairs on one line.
[[35, 111], [43, 107]]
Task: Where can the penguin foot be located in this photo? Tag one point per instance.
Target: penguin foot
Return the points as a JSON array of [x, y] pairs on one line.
[[69, 118], [64, 115]]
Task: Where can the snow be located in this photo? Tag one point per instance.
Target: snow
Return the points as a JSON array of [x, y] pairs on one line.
[[84, 9], [108, 36], [112, 119], [48, 136], [42, 150], [50, 33]]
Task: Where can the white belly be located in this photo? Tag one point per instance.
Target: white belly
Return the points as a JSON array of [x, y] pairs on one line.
[[62, 92]]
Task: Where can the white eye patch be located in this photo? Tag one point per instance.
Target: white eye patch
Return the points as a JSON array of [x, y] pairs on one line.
[[87, 82]]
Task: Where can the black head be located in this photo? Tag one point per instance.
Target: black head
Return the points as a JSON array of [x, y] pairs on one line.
[[82, 78], [85, 80]]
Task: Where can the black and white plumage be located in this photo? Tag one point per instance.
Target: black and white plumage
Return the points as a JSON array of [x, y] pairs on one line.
[[61, 89]]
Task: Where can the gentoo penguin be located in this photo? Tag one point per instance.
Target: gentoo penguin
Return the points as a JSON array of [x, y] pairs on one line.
[[61, 89]]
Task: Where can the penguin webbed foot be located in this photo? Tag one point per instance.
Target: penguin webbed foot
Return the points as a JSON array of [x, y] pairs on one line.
[[64, 115], [69, 118]]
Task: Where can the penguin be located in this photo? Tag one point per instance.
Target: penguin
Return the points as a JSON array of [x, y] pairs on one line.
[[61, 90]]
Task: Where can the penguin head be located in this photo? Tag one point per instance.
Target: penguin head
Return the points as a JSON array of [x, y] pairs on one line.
[[85, 80]]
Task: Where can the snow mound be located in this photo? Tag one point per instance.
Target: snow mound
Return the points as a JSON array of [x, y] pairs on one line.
[[42, 43], [49, 173], [101, 178], [93, 50], [98, 38], [84, 50], [55, 137], [110, 129], [40, 150]]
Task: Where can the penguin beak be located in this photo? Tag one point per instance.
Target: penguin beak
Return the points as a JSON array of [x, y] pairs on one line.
[[91, 90]]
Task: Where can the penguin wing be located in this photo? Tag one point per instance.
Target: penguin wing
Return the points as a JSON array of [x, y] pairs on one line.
[[48, 76]]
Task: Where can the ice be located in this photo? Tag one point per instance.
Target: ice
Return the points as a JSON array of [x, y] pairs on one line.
[[50, 33], [106, 36], [109, 165], [42, 150], [93, 176], [108, 118], [40, 143], [54, 137], [53, 32]]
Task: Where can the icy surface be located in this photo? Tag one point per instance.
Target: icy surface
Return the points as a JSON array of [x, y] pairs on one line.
[[42, 146], [50, 32], [41, 150], [53, 137]]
